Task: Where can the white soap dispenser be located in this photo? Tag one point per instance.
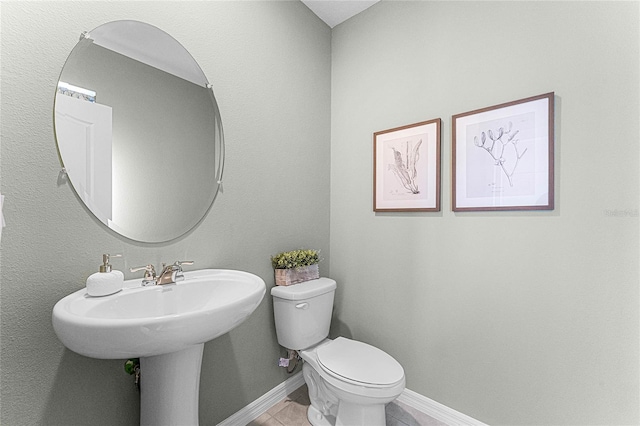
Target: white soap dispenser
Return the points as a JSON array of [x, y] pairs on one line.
[[106, 281]]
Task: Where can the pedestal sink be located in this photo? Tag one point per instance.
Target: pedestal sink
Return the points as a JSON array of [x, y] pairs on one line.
[[166, 327]]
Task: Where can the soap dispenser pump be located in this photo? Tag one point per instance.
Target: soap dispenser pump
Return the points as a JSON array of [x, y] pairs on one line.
[[107, 281]]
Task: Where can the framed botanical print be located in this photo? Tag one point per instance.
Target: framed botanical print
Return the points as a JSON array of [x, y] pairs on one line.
[[406, 168], [502, 156]]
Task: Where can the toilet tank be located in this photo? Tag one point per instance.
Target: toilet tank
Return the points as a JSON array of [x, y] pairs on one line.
[[302, 312]]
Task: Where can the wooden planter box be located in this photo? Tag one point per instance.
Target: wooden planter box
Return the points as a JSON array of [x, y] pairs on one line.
[[298, 275]]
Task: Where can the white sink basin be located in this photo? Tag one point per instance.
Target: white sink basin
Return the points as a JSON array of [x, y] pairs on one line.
[[146, 321]]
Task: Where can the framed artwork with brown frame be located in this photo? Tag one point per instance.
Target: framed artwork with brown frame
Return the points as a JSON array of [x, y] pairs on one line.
[[406, 168], [502, 156]]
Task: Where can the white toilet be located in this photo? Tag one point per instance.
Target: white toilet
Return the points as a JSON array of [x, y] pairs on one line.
[[349, 381]]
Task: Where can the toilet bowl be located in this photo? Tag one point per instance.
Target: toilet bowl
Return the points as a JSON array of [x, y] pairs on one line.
[[349, 381]]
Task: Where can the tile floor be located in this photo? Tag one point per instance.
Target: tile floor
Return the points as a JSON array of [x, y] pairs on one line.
[[292, 411]]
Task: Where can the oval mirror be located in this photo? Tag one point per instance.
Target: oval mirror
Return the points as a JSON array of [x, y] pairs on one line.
[[138, 131]]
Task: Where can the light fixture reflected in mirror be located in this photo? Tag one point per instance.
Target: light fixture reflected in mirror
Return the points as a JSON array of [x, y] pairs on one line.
[[139, 131]]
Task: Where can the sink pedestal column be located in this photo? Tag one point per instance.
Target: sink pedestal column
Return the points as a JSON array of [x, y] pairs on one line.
[[169, 388]]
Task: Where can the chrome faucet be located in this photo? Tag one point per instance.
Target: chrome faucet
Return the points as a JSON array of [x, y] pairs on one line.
[[170, 273], [173, 273]]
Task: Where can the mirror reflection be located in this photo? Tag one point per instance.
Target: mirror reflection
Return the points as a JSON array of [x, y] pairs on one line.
[[139, 131]]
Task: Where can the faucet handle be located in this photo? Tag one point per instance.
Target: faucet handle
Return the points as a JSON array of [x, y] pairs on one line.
[[179, 263], [149, 274], [149, 268]]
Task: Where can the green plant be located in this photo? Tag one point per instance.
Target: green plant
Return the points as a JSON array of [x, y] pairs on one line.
[[295, 259]]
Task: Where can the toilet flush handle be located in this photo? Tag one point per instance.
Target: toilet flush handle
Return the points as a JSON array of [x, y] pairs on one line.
[[304, 305]]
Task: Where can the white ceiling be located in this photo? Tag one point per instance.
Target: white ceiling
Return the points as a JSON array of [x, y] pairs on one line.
[[334, 12]]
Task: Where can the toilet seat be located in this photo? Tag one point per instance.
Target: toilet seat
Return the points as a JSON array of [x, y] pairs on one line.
[[359, 363]]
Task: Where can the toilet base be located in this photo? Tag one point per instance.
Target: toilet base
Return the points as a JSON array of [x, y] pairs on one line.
[[316, 418], [354, 414], [349, 415]]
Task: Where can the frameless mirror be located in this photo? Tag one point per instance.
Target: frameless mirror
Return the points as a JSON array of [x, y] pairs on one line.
[[138, 131]]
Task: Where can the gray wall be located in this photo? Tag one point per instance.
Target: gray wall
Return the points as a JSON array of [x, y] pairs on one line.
[[269, 63], [510, 317]]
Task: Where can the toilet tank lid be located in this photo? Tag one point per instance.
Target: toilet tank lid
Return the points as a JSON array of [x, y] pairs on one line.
[[304, 290]]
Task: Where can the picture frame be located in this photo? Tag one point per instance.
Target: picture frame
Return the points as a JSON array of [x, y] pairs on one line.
[[406, 168], [503, 156]]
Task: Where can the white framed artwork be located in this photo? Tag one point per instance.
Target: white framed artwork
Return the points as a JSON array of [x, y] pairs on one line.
[[406, 164], [502, 156]]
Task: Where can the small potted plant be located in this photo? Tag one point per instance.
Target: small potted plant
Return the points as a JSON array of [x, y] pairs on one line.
[[296, 266]]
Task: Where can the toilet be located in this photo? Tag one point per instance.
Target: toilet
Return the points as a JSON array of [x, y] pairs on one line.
[[349, 381]]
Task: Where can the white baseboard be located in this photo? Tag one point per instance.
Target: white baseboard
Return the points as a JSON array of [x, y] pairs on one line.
[[408, 397], [266, 401], [436, 410]]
